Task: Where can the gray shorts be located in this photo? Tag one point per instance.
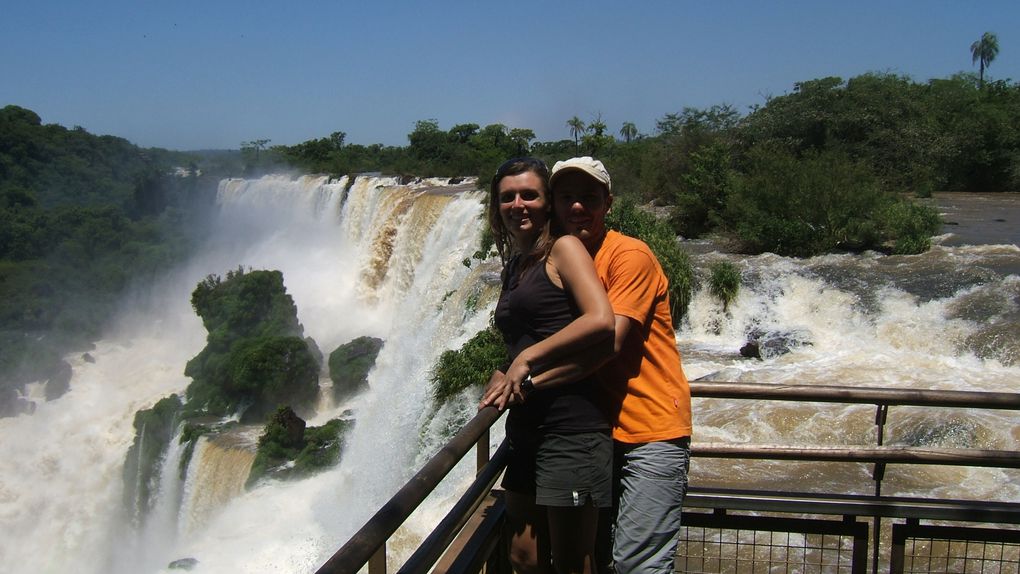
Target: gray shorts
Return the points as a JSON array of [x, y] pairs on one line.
[[563, 469]]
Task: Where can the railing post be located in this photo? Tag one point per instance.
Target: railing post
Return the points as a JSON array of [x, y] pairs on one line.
[[878, 474], [377, 564], [482, 452]]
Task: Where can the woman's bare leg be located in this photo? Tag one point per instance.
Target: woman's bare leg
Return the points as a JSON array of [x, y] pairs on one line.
[[572, 538], [529, 534]]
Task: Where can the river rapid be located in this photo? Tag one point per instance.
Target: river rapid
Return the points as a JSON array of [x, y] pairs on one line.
[[945, 319]]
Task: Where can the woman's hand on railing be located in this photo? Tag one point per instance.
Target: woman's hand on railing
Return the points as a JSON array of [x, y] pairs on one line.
[[500, 392]]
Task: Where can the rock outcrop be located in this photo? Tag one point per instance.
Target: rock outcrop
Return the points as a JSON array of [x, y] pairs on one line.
[[349, 365]]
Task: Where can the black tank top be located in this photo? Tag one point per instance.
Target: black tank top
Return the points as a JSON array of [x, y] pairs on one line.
[[530, 308]]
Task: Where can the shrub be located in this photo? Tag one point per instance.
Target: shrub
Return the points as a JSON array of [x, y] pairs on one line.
[[273, 371], [469, 366], [626, 218], [705, 187], [724, 282], [805, 206], [910, 226]]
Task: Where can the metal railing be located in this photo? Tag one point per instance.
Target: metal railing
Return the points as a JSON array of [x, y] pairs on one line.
[[880, 455], [472, 527], [368, 545]]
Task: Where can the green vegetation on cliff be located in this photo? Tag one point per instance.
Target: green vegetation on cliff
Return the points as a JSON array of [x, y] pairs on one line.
[[255, 359], [256, 364], [289, 450], [154, 428], [467, 367]]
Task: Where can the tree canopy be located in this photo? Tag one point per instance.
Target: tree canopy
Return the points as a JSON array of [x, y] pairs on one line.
[[81, 218]]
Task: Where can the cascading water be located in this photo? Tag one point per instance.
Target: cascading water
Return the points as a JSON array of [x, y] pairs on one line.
[[372, 257], [945, 319]]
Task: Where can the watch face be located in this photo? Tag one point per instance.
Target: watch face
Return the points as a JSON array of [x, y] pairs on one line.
[[527, 385]]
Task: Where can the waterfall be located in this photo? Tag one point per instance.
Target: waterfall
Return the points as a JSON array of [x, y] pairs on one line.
[[374, 256], [216, 477], [365, 257]]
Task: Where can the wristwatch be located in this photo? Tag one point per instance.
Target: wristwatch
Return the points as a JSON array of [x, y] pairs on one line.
[[527, 385]]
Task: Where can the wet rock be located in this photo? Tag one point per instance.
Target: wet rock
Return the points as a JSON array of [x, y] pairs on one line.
[[154, 429], [313, 348], [771, 344], [288, 450], [59, 381], [183, 564], [292, 425], [88, 358], [349, 365], [12, 404], [751, 350], [943, 434]]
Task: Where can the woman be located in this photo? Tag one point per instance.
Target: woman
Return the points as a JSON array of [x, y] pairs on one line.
[[551, 303]]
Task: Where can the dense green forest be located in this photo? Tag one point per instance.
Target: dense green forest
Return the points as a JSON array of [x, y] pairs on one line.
[[832, 165], [953, 134], [82, 217]]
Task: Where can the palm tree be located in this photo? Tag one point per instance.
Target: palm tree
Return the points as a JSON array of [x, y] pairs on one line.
[[576, 126], [984, 50], [628, 131]]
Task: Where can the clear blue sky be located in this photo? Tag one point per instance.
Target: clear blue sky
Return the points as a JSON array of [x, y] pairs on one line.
[[185, 74]]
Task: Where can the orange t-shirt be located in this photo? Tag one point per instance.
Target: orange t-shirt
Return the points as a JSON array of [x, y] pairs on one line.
[[650, 399]]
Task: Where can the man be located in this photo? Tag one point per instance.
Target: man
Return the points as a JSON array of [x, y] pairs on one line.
[[650, 397]]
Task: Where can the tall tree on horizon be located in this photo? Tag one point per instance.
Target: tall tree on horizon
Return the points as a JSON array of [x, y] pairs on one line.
[[595, 138], [255, 146], [576, 126], [521, 138], [628, 131], [984, 51]]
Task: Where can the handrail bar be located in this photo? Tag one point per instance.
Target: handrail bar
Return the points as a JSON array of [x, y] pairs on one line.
[[432, 548], [857, 395], [853, 504], [357, 551], [882, 454]]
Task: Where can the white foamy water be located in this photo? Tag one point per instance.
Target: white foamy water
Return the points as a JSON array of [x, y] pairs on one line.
[[947, 319]]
